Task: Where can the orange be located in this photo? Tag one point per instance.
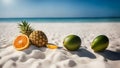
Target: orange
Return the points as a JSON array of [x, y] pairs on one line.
[[21, 42], [52, 46]]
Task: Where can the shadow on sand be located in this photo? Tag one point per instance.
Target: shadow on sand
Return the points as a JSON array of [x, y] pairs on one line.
[[84, 53], [111, 55], [32, 47]]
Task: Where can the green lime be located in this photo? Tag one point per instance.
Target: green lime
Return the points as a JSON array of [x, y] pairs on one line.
[[100, 43], [72, 42]]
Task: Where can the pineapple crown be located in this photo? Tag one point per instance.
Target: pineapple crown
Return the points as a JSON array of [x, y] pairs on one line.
[[25, 28]]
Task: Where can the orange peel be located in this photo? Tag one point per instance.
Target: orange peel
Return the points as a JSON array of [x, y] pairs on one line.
[[52, 46]]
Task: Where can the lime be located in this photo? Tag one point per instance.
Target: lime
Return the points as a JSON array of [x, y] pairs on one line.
[[72, 42], [100, 43]]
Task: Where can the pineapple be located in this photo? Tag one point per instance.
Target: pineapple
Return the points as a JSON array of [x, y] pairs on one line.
[[37, 38]]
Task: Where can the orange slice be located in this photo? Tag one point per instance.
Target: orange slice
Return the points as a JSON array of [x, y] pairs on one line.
[[21, 42], [52, 46]]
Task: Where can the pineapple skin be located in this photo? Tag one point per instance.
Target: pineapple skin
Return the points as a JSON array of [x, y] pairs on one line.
[[38, 38]]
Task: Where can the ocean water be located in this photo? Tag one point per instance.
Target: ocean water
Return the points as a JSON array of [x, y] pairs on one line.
[[55, 20]]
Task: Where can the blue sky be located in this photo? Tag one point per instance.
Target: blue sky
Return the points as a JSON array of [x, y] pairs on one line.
[[59, 8]]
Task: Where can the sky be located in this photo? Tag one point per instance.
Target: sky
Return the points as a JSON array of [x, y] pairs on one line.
[[59, 8]]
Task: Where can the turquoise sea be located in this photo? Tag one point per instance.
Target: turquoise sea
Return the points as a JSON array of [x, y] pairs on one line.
[[54, 20]]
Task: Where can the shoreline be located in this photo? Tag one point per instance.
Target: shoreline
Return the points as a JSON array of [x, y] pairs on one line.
[[61, 21]]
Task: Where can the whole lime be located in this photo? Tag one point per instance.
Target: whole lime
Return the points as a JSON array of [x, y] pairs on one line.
[[72, 42], [100, 43]]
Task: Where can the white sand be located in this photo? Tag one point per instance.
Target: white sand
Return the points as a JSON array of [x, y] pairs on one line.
[[34, 57]]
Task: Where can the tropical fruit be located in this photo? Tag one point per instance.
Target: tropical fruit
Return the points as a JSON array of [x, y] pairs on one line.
[[21, 42], [100, 43], [72, 42], [38, 38], [51, 46]]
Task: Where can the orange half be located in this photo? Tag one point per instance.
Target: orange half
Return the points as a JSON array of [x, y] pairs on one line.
[[21, 42]]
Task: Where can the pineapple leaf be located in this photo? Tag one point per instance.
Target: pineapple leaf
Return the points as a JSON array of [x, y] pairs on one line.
[[25, 28]]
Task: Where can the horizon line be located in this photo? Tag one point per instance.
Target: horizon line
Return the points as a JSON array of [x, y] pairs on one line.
[[57, 17]]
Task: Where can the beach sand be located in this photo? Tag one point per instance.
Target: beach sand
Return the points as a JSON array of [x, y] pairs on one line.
[[85, 57]]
